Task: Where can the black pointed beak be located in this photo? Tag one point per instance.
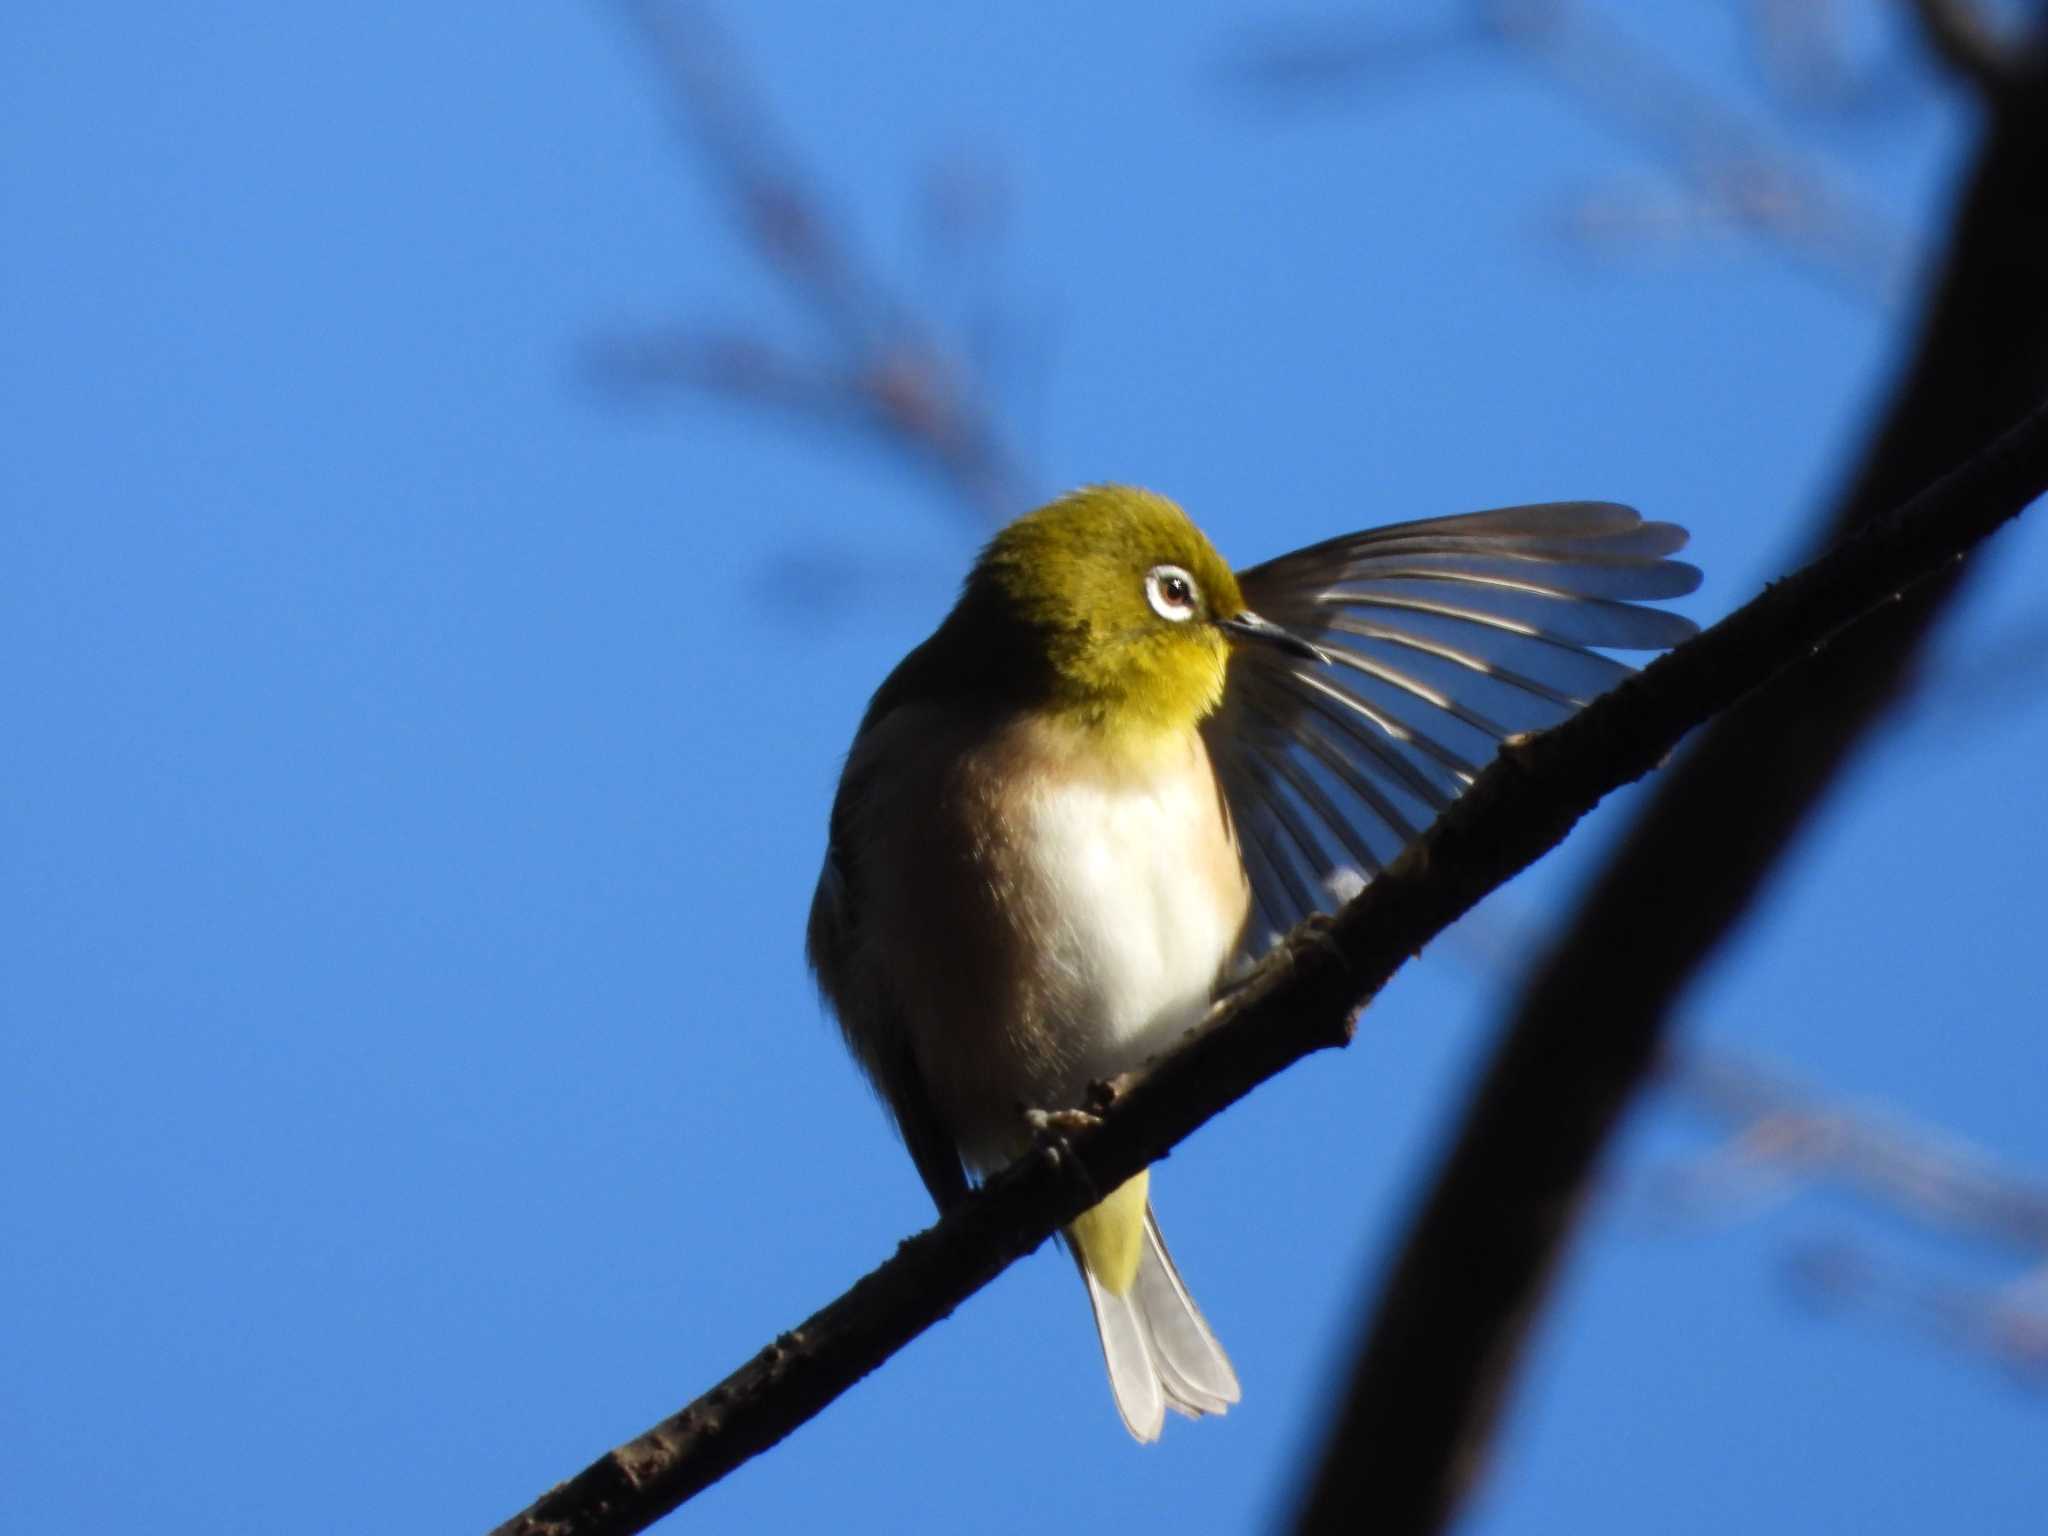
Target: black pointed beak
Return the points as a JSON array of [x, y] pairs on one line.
[[1249, 626]]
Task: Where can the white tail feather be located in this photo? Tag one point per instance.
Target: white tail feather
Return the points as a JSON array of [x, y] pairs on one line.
[[1158, 1348]]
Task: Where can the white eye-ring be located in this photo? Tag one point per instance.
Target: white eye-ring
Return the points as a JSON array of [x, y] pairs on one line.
[[1172, 593]]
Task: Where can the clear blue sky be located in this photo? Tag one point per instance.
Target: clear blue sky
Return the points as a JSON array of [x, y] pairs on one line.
[[413, 782]]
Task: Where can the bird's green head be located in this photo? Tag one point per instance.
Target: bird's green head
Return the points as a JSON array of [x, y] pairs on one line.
[[1127, 604]]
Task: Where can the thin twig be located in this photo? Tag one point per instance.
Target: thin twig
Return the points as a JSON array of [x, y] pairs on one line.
[[1728, 164], [883, 365], [1788, 1134], [1958, 34], [2005, 1326], [1785, 1137]]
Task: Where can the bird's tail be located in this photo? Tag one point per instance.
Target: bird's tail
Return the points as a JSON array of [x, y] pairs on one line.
[[1159, 1350]]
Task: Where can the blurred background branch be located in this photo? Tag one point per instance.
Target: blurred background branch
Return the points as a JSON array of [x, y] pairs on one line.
[[1723, 169], [1781, 1139], [1782, 1136], [880, 364], [1961, 34], [1454, 1316]]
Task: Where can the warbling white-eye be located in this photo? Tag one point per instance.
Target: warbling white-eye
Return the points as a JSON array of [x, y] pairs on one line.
[[1117, 769]]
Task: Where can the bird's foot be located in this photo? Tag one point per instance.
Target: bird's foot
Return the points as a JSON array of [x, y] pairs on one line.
[[1050, 1129], [1060, 1122]]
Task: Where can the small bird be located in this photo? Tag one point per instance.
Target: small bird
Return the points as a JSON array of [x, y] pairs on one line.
[[1117, 771]]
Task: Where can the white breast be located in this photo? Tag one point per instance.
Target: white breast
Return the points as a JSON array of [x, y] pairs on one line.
[[1146, 897]]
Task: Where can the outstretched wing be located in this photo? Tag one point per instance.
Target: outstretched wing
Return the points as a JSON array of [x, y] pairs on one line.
[[1445, 636]]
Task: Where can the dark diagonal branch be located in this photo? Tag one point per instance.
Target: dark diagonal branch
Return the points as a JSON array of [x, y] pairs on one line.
[[1474, 1270], [1963, 38], [1302, 1001]]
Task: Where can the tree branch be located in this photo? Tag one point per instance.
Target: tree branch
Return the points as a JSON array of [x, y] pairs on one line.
[[882, 364], [1303, 999], [1971, 49], [1730, 166], [1457, 1308], [1786, 1136]]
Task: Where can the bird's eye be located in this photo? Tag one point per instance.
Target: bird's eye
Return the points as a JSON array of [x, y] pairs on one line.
[[1171, 592]]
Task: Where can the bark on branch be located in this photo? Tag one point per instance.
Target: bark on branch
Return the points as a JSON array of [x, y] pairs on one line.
[[1303, 1000]]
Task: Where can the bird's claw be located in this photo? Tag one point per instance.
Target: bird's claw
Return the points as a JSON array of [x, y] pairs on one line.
[[1049, 1123], [1050, 1129]]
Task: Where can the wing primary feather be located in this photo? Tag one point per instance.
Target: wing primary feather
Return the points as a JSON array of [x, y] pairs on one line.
[[1351, 732], [1360, 629], [1368, 793], [1575, 528], [1265, 878], [1281, 687], [1408, 685], [932, 1149], [1640, 549], [1459, 767], [1298, 892], [1576, 521], [1325, 811], [1637, 579], [1276, 922], [1651, 629], [1299, 833], [1284, 896]]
